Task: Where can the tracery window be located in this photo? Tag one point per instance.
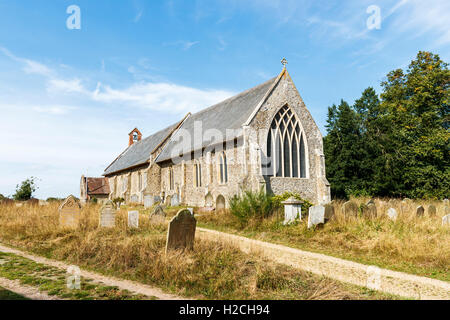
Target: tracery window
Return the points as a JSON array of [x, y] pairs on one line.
[[286, 146], [223, 168], [171, 181], [197, 174]]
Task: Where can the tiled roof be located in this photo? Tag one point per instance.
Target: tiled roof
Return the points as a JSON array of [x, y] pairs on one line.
[[97, 186]]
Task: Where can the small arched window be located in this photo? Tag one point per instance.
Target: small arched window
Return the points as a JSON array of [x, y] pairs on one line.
[[197, 174], [223, 168], [171, 181], [286, 146]]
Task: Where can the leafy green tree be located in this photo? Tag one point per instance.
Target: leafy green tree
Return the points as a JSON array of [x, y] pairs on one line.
[[25, 191]]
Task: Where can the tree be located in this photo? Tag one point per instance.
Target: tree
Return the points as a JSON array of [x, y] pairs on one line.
[[25, 191]]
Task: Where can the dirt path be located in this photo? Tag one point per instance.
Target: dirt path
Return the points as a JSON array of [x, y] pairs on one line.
[[26, 291], [372, 277], [131, 286]]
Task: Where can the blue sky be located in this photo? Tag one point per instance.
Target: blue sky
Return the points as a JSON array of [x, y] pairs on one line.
[[68, 98]]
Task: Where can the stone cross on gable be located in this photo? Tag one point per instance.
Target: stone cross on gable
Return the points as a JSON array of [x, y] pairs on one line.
[[284, 62]]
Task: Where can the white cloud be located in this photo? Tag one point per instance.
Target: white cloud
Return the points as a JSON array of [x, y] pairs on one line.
[[53, 110], [65, 86], [185, 45]]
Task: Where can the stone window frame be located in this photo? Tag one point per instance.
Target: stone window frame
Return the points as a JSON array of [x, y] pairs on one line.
[[222, 168], [197, 174], [171, 179], [286, 124]]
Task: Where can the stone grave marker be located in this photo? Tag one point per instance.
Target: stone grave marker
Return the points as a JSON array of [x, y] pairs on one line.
[[69, 212], [329, 211], [158, 215], [350, 209], [316, 216], [148, 201], [369, 210], [446, 220], [392, 214], [420, 211], [181, 232], [174, 201], [191, 210], [446, 202], [108, 215], [133, 219], [292, 210], [432, 211], [134, 199]]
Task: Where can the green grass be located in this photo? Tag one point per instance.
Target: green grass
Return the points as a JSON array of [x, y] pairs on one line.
[[9, 295], [53, 281]]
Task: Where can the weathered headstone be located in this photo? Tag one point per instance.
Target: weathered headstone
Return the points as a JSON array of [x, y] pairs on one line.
[[175, 201], [392, 214], [148, 201], [446, 220], [220, 203], [420, 211], [133, 219], [134, 199], [158, 215], [292, 210], [316, 216], [369, 210], [69, 212], [329, 211], [191, 210], [446, 202], [446, 210], [181, 232], [350, 209], [432, 211], [108, 215]]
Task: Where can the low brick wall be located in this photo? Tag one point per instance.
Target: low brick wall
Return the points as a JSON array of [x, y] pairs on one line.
[[388, 281]]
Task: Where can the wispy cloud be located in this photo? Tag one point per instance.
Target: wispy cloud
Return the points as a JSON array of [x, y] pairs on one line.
[[185, 45]]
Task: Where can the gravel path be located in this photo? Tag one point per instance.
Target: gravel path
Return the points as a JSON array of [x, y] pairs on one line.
[[131, 286], [372, 277], [24, 290]]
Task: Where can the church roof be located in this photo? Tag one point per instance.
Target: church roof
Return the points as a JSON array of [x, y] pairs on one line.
[[97, 186], [229, 114], [139, 152]]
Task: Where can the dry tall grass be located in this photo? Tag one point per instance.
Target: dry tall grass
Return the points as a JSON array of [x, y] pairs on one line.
[[418, 245], [211, 271]]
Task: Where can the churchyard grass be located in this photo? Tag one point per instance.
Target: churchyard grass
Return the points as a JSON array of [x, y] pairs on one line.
[[9, 295], [416, 245], [210, 271]]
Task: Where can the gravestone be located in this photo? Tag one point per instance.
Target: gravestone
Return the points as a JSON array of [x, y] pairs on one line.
[[292, 210], [392, 214], [420, 211], [432, 211], [175, 201], [350, 209], [446, 202], [329, 211], [158, 215], [134, 199], [181, 232], [69, 212], [191, 210], [316, 216], [369, 210], [108, 215], [446, 220], [446, 210], [133, 219], [148, 201]]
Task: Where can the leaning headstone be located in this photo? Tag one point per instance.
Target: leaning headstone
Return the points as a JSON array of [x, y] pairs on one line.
[[148, 201], [369, 210], [329, 211], [133, 219], [446, 220], [108, 215], [432, 211], [392, 214], [350, 209], [181, 232], [174, 201], [420, 211], [158, 215], [292, 210], [316, 216], [69, 212]]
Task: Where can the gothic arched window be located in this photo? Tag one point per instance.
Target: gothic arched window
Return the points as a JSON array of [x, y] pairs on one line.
[[223, 168], [171, 182], [286, 146]]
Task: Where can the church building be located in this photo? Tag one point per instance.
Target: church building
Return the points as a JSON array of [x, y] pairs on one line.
[[264, 137]]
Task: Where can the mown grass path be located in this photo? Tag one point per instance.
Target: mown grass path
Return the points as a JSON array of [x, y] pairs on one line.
[[397, 283], [44, 279]]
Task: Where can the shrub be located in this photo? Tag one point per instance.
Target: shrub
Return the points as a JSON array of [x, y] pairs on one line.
[[25, 190], [118, 201], [251, 205]]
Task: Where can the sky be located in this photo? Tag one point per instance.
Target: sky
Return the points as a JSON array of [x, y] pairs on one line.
[[70, 93]]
